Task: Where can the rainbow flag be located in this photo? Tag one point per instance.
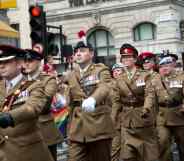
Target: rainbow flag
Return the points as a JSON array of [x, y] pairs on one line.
[[61, 119], [60, 113]]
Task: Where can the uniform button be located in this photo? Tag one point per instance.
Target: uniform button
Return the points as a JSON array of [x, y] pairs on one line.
[[6, 136]]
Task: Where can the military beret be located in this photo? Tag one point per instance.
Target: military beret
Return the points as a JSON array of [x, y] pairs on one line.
[[82, 44], [117, 65], [128, 50], [167, 58], [31, 54], [8, 52], [147, 56]]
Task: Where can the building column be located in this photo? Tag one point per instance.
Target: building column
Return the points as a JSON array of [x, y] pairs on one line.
[[23, 7]]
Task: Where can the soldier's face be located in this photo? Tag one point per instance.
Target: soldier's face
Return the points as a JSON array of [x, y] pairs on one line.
[[116, 72], [31, 66], [9, 69], [166, 69], [128, 61], [83, 55], [148, 65]]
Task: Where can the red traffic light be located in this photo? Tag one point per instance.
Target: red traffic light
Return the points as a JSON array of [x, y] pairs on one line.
[[35, 11]]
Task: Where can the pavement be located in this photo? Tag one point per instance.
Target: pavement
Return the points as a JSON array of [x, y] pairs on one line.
[[175, 152], [62, 151]]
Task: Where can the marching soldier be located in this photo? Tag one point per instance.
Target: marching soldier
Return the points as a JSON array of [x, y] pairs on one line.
[[32, 68], [117, 70], [148, 61], [170, 120], [21, 103], [91, 128], [134, 95]]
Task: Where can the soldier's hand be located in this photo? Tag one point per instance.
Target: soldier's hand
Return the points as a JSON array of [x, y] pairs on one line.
[[145, 113], [6, 120], [88, 105]]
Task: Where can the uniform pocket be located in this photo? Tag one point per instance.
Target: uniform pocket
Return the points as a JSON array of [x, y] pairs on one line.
[[27, 139], [135, 119], [98, 123]]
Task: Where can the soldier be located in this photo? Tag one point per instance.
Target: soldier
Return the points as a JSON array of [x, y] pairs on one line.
[[32, 68], [134, 95], [21, 103], [148, 61], [170, 120], [117, 70], [91, 128]]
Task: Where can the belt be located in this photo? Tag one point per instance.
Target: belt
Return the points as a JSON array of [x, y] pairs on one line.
[[170, 105], [133, 104], [76, 103], [79, 103]]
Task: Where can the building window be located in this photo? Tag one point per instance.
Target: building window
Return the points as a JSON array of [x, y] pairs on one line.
[[54, 44], [103, 42], [144, 31], [182, 30]]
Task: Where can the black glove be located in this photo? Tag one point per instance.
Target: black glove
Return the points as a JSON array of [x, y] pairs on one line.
[[6, 120]]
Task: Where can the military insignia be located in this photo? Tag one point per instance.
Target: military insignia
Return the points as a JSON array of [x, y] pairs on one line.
[[90, 80], [22, 97], [25, 93], [140, 82], [17, 92], [175, 84], [20, 100], [11, 99]]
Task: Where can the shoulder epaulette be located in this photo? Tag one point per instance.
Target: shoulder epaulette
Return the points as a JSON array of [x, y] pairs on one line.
[[100, 65]]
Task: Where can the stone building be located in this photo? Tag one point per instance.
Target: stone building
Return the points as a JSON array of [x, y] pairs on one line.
[[149, 25], [153, 25]]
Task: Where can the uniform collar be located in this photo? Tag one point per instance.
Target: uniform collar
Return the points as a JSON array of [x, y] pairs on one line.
[[82, 71], [131, 73], [35, 76], [13, 82]]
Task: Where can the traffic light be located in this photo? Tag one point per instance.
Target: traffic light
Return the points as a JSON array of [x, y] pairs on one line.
[[38, 25], [52, 44]]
